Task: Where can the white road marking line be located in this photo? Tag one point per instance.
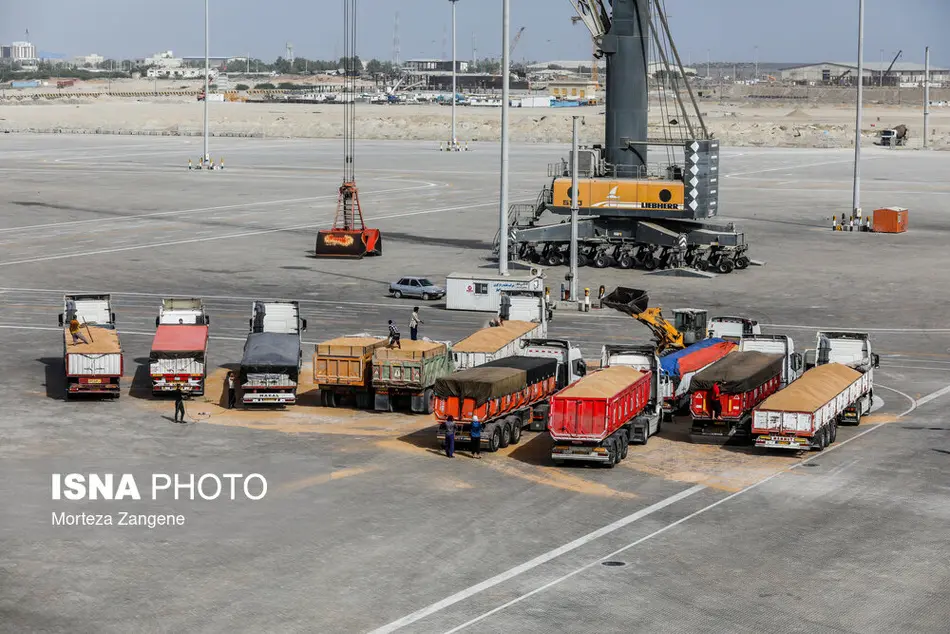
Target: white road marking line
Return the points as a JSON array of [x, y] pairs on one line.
[[534, 563], [654, 534], [917, 367], [911, 399], [794, 167], [854, 328], [932, 396], [426, 185]]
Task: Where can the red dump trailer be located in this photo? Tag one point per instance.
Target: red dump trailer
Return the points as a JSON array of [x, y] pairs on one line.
[[501, 393], [744, 379], [594, 419]]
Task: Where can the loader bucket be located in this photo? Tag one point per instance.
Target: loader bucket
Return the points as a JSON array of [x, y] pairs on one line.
[[340, 243], [631, 301]]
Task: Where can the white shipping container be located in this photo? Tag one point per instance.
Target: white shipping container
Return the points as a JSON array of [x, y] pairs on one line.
[[109, 364], [480, 292]]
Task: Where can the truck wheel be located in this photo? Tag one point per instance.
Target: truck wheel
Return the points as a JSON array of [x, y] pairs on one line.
[[821, 440], [505, 435], [834, 431], [612, 455], [516, 432], [624, 445], [428, 397], [494, 441]]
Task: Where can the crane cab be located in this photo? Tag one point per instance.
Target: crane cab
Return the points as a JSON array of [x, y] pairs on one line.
[[692, 323]]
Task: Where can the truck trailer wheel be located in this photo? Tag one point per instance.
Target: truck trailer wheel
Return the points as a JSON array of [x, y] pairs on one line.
[[516, 431], [834, 431], [613, 455], [494, 441], [624, 445], [506, 433]]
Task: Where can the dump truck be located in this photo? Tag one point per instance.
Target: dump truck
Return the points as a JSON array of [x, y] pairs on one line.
[[93, 367], [343, 368], [178, 357], [403, 378], [270, 367], [777, 344], [596, 418], [490, 344], [806, 414], [744, 379], [501, 393]]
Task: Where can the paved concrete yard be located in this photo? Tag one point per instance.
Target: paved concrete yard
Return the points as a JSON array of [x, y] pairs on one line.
[[365, 525]]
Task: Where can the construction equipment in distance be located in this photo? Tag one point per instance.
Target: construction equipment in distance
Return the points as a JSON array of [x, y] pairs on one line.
[[633, 213], [689, 323], [349, 237]]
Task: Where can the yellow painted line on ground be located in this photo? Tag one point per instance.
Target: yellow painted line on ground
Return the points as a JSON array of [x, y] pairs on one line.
[[322, 478]]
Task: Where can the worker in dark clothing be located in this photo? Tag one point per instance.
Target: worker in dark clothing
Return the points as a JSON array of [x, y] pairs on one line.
[[394, 336], [450, 437], [414, 322], [179, 405], [716, 405], [475, 430], [231, 397]]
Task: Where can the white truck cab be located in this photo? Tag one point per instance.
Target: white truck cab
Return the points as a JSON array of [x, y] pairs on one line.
[[777, 344], [645, 359], [733, 328], [188, 312], [570, 367]]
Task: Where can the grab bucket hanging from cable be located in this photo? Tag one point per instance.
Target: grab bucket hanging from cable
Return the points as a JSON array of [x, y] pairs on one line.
[[349, 237]]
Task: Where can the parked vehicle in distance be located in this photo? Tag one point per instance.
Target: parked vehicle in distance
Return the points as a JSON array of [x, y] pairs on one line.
[[416, 287]]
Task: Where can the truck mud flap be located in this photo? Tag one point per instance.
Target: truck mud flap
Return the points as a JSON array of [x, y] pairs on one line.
[[382, 403]]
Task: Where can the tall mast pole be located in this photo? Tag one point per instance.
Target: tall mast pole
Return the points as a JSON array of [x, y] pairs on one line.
[[206, 156], [454, 80], [503, 198], [856, 198]]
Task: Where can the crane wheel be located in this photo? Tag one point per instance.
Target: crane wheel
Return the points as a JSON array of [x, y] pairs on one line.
[[742, 262], [582, 260], [726, 266], [625, 262], [554, 259], [650, 264], [601, 261]]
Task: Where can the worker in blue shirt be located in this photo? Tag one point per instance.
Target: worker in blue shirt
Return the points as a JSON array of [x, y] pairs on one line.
[[475, 431]]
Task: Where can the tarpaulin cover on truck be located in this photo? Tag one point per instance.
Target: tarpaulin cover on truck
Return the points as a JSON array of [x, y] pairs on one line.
[[814, 389], [536, 368], [494, 339], [696, 356], [481, 384], [175, 341], [739, 372], [269, 350]]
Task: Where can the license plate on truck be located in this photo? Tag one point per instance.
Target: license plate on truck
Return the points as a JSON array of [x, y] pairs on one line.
[[780, 442], [94, 381]]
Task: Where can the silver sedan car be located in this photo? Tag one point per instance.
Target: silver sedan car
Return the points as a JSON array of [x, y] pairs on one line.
[[416, 287]]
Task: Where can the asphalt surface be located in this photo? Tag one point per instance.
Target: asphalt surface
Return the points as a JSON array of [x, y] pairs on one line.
[[365, 525]]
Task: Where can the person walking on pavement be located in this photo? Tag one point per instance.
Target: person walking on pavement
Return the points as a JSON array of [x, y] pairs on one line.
[[476, 434], [179, 405], [450, 437], [231, 398], [74, 331], [414, 322], [394, 336]]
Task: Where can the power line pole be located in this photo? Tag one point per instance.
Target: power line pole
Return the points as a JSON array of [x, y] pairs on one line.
[[856, 200], [505, 86], [206, 156]]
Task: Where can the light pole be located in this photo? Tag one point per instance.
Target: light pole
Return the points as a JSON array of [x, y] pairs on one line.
[[926, 93], [574, 209], [454, 140], [205, 156], [856, 200], [756, 78], [503, 198]]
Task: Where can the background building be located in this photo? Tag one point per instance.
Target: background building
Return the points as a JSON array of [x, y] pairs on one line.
[[841, 72], [22, 52], [434, 65], [91, 60]]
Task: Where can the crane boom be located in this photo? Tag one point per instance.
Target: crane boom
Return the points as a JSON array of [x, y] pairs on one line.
[[514, 42]]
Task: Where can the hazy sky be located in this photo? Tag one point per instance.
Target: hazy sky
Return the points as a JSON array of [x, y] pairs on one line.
[[799, 31]]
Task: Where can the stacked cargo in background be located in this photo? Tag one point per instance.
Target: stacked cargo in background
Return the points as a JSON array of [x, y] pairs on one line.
[[745, 379], [806, 414], [270, 367], [94, 367], [343, 367], [593, 419], [501, 393], [408, 374], [178, 357], [489, 344]]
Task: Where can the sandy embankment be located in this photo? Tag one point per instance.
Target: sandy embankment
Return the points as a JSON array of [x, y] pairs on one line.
[[779, 125]]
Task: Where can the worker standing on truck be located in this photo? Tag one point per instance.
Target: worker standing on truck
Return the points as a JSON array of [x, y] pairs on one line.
[[475, 430], [414, 322], [231, 398], [716, 408], [74, 331], [450, 437], [179, 405], [394, 336]]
